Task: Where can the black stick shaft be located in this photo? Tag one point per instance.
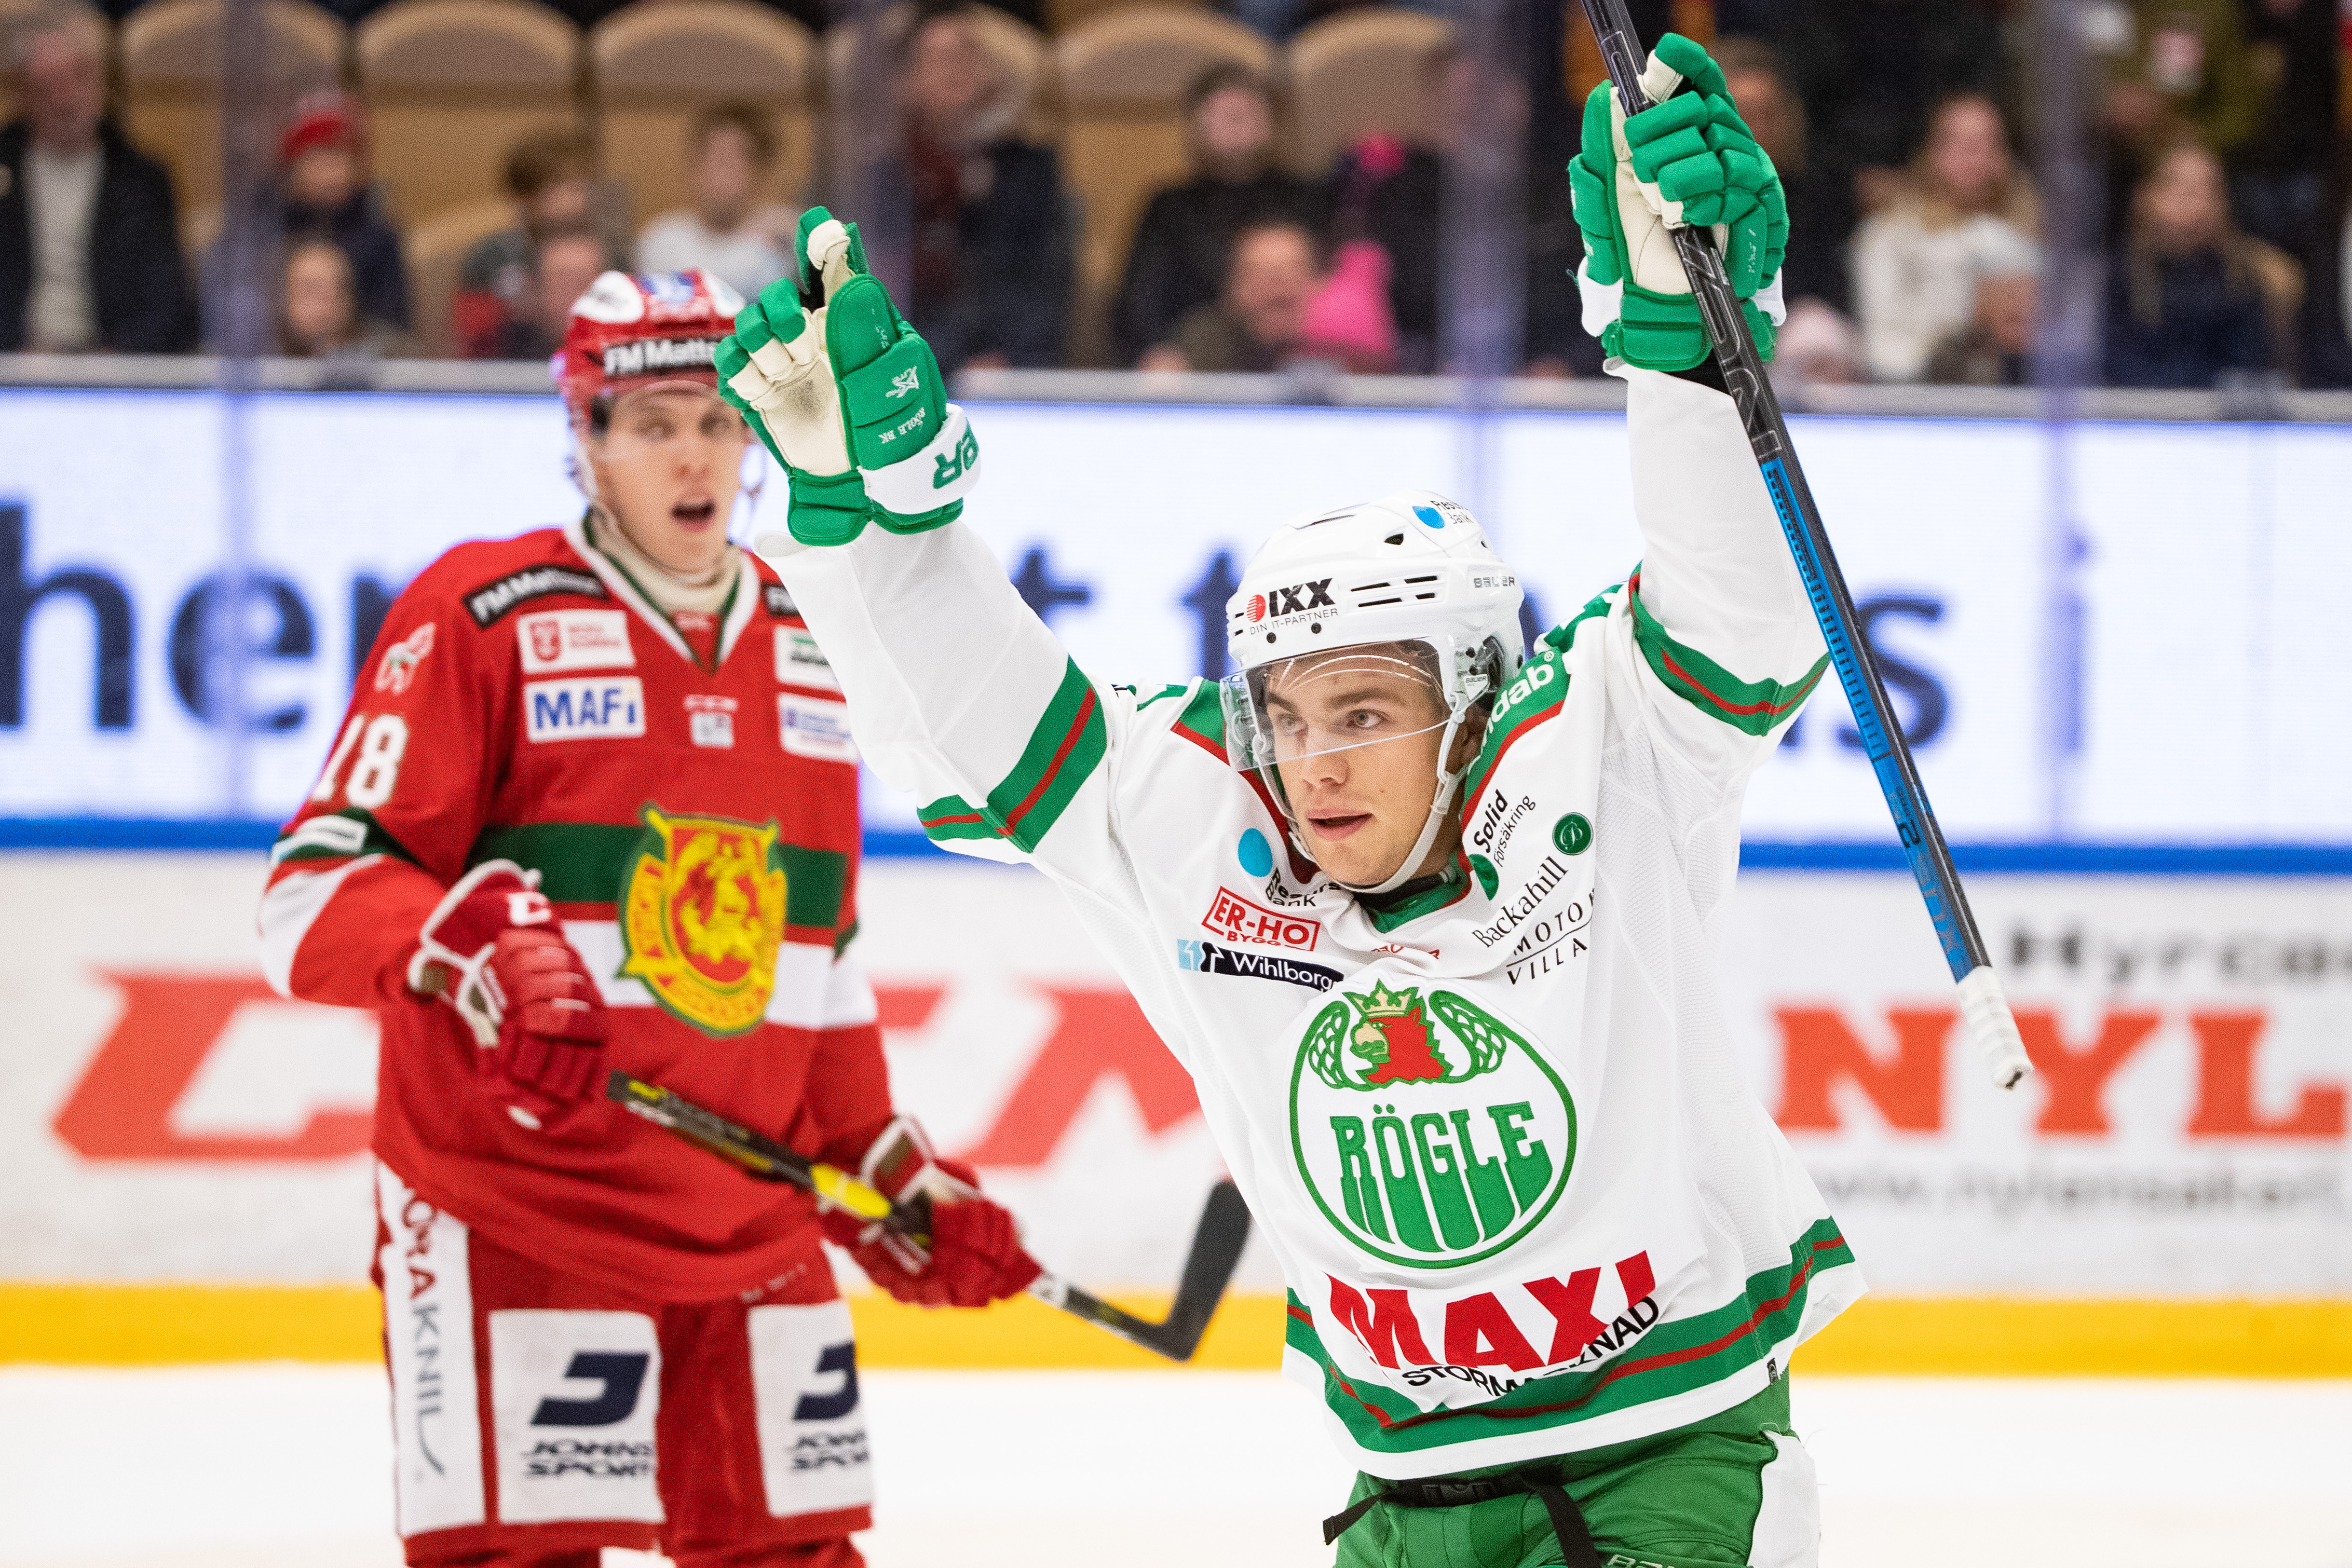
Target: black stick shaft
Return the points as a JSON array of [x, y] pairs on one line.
[[1800, 520]]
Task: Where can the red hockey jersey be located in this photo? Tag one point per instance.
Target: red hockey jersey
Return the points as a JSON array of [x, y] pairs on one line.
[[698, 833]]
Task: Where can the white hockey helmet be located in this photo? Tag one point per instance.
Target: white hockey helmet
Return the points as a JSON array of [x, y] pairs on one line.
[[1411, 568]]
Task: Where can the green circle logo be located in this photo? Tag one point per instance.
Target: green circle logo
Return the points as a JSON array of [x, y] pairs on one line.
[[1430, 1132], [1483, 870], [1572, 833]]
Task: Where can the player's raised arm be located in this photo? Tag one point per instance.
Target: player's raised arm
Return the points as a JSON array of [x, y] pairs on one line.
[[1720, 618], [960, 693]]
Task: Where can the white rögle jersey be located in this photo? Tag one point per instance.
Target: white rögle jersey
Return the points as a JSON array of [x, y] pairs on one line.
[[1523, 1199]]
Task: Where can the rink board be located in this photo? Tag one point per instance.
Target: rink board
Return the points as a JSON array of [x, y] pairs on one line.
[[172, 1123]]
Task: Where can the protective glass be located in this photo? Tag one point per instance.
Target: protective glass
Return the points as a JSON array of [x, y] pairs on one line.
[[1341, 700]]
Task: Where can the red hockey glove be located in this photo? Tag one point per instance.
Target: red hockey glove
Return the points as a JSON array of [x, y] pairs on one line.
[[491, 949], [975, 1255]]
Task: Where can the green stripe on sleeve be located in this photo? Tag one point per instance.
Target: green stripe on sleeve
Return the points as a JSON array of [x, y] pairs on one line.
[[1204, 716], [336, 835], [1753, 707], [1065, 749], [953, 817]]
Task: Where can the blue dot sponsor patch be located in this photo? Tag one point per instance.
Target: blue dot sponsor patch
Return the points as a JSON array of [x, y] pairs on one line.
[[1429, 516], [1254, 854]]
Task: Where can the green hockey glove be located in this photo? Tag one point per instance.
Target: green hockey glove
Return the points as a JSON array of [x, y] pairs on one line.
[[848, 396], [1687, 159]]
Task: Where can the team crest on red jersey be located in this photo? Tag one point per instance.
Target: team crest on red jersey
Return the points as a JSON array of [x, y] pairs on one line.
[[398, 665], [701, 916], [546, 640]]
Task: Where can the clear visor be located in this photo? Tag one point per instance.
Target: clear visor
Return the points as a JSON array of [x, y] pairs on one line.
[[1312, 704]]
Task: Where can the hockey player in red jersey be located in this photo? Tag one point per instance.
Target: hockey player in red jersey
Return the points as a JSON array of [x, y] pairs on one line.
[[594, 807]]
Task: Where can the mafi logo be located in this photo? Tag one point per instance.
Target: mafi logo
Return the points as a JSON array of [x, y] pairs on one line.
[[1236, 919], [701, 916], [1466, 1141], [398, 667]]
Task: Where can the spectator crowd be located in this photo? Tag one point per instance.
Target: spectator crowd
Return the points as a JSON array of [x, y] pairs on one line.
[[2216, 131]]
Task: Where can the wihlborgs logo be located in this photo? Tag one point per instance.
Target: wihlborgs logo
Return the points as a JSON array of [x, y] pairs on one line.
[[1208, 958], [1295, 600]]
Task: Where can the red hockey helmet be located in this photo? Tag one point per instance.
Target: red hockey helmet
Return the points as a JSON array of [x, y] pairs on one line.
[[637, 333]]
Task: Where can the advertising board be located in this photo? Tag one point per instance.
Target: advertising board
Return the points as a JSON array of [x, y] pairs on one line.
[[2186, 1136], [2156, 689]]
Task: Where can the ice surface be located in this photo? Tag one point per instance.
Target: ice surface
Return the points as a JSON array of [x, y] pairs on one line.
[[278, 1466]]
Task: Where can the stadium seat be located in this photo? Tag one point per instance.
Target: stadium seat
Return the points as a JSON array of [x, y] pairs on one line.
[[1018, 48], [170, 53], [451, 84], [1355, 73], [1063, 16], [658, 63], [1123, 77], [436, 248]]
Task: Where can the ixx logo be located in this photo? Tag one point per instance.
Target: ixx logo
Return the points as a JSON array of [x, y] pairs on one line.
[[1296, 599]]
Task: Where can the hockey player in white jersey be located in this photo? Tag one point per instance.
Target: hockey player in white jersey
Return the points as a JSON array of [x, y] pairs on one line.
[[1429, 915]]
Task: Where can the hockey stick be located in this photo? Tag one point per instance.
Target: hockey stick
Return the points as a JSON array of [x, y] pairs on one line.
[[1983, 1007], [1208, 1267]]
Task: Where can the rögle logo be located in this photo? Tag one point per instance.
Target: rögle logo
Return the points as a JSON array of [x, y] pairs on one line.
[[1429, 1132]]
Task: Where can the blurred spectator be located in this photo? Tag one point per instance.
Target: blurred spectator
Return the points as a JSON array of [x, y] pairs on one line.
[[1817, 346], [1915, 265], [563, 262], [1348, 322], [320, 313], [1821, 207], [2279, 178], [726, 233], [815, 14], [1995, 349], [990, 239], [1869, 70], [2185, 301], [2327, 331], [322, 162], [1179, 257], [551, 177], [90, 243], [2184, 67], [1259, 322], [1395, 194]]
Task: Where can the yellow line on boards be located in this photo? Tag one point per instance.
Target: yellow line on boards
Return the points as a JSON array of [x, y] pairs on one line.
[[154, 1324]]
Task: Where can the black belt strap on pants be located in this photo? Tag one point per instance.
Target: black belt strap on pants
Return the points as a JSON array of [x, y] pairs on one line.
[[1576, 1548]]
